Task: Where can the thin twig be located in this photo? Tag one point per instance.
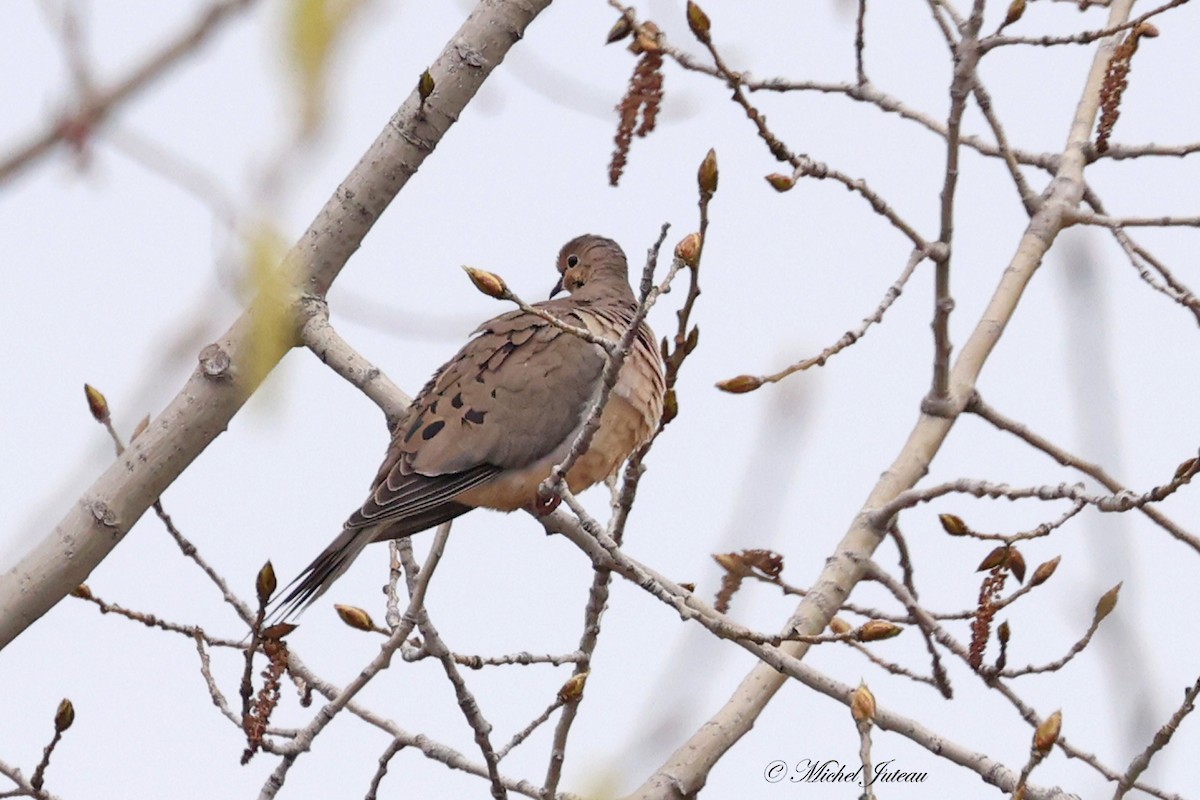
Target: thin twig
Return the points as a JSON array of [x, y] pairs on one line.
[[394, 746], [1162, 738], [982, 409], [466, 700], [304, 739], [852, 336], [75, 126], [1114, 503], [1086, 37]]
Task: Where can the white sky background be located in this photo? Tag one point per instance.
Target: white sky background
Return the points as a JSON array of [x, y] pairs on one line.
[[116, 276]]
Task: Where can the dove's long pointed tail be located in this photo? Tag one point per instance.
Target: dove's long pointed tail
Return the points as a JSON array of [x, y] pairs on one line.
[[335, 559], [318, 576]]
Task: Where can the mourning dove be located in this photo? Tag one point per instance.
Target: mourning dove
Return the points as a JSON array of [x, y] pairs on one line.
[[494, 420]]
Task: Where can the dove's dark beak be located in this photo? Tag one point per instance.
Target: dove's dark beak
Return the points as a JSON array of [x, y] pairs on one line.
[[558, 287]]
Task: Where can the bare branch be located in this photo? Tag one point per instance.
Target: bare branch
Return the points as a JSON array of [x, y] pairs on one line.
[[99, 103], [982, 409]]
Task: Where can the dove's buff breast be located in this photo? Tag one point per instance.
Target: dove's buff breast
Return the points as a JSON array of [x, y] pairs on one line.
[[630, 418]]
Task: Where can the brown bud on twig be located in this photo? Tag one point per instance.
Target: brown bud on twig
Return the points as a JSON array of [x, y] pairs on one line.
[[877, 630], [619, 31], [1185, 468], [97, 404], [1044, 571], [489, 283], [862, 704], [688, 587], [953, 525], [1015, 11], [740, 385], [1146, 30], [278, 631], [355, 617], [1016, 564], [994, 559], [698, 21], [1047, 733], [65, 716], [839, 626], [688, 249], [708, 174], [573, 689], [693, 339], [1003, 632], [1106, 604], [140, 428], [781, 183], [82, 592], [264, 585]]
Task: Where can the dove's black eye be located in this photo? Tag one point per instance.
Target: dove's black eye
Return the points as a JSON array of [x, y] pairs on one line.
[[572, 261]]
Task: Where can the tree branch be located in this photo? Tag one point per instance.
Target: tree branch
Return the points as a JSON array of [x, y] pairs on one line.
[[231, 368], [686, 770]]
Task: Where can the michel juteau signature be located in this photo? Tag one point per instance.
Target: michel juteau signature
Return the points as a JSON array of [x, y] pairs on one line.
[[833, 771]]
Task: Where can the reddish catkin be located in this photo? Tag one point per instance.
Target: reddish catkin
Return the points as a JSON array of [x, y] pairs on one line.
[[255, 723], [981, 626], [644, 98], [1116, 80]]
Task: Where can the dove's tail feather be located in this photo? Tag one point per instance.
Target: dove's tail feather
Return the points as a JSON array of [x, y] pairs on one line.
[[326, 568]]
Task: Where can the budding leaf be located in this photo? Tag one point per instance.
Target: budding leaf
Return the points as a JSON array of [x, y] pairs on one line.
[[1016, 564], [355, 617], [993, 559], [1106, 603], [698, 21], [740, 385], [278, 631], [265, 584], [425, 86], [573, 688], [1015, 10], [1047, 733], [97, 404], [862, 705], [877, 630], [670, 406], [780, 183], [953, 525], [619, 31], [688, 249], [1044, 571], [1185, 468], [65, 716], [708, 174], [489, 283]]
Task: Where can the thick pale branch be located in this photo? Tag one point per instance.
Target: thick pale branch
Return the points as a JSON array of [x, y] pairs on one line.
[[230, 368], [685, 772], [326, 344]]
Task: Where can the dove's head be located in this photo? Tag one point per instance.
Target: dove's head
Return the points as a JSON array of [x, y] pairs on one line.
[[592, 267]]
